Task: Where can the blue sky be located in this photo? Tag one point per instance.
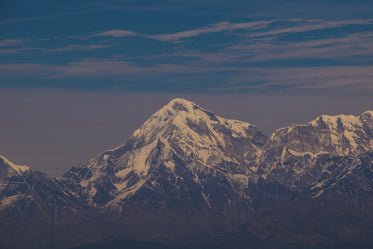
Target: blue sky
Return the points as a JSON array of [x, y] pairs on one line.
[[78, 77], [179, 46]]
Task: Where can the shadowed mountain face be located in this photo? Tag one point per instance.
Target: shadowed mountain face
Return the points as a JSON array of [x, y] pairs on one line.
[[188, 178]]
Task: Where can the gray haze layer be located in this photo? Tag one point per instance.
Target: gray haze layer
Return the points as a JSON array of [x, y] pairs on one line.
[[52, 130]]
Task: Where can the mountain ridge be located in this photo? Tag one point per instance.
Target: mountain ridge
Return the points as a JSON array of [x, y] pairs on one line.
[[180, 129], [189, 175]]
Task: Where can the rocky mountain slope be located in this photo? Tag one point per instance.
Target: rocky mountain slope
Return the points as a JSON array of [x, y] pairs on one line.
[[188, 177], [175, 149], [303, 155], [183, 164], [37, 211]]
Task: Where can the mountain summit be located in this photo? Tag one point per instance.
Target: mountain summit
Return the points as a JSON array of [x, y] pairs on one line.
[[339, 135], [299, 156], [8, 168], [180, 142], [188, 177]]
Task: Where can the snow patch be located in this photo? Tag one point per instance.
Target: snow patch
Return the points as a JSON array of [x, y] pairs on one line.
[[170, 164], [318, 185], [283, 154], [318, 194], [126, 192], [254, 168], [122, 173], [206, 199], [10, 200], [140, 156], [17, 168]]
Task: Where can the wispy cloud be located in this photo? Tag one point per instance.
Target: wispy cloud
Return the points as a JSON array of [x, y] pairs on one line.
[[264, 36], [11, 42], [213, 28], [344, 49], [339, 79], [296, 26], [310, 25], [322, 48], [328, 78], [117, 33], [17, 46], [88, 68], [74, 47], [255, 43]]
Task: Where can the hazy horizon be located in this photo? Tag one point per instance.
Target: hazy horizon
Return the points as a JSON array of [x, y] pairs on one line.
[[54, 130]]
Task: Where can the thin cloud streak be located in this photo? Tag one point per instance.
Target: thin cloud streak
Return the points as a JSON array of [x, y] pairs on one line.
[[336, 79], [249, 78], [89, 68], [101, 68], [309, 25], [269, 49], [320, 25], [19, 46], [266, 50], [213, 28], [248, 31], [11, 42], [234, 59], [117, 33]]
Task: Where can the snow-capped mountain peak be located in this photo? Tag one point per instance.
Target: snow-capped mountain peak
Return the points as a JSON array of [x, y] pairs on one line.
[[339, 135], [292, 155], [185, 115], [10, 167], [184, 142], [348, 134], [187, 173], [181, 131]]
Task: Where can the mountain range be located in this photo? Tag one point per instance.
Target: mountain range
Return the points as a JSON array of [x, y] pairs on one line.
[[188, 178]]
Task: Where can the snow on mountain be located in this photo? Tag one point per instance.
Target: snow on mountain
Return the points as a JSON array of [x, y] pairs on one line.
[[198, 133], [20, 185], [7, 167], [349, 134], [295, 155], [7, 170], [183, 140], [35, 208], [180, 133], [188, 173], [338, 135]]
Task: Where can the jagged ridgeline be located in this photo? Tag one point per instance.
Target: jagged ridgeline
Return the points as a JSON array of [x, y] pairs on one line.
[[188, 178]]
